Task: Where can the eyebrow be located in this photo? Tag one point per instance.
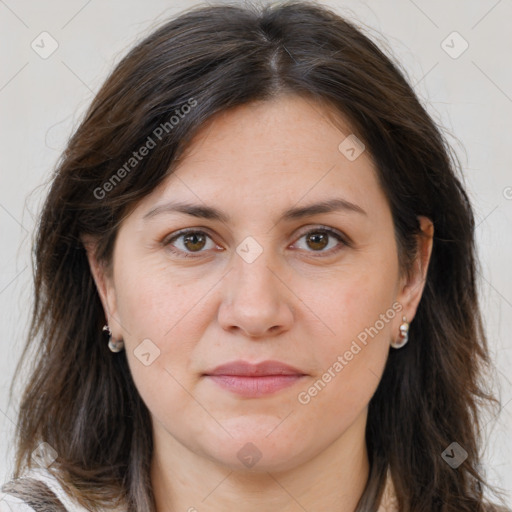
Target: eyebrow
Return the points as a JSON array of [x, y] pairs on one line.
[[209, 212]]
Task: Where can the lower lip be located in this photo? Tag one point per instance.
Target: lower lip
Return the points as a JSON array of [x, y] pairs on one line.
[[255, 386]]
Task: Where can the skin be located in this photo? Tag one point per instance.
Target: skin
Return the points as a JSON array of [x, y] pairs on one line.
[[298, 302]]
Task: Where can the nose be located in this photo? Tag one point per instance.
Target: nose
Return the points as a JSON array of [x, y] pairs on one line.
[[256, 299]]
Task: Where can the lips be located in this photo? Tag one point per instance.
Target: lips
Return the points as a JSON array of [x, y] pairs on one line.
[[265, 368], [255, 380]]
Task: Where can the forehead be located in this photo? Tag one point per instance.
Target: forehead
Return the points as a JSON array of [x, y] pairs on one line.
[[292, 126], [287, 149]]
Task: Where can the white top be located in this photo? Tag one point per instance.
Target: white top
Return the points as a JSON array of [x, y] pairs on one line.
[[10, 503]]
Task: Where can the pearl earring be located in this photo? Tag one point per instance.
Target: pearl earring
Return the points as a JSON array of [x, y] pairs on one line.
[[114, 346], [404, 334]]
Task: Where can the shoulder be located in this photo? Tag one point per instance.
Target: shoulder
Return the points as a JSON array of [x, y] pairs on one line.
[[491, 508], [9, 503], [388, 502], [36, 490]]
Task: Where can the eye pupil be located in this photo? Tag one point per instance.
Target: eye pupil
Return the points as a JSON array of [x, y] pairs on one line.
[[195, 241], [318, 238], [194, 237]]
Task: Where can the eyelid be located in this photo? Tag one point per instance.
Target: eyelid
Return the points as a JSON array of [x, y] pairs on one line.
[[185, 231], [340, 236], [166, 241], [332, 231]]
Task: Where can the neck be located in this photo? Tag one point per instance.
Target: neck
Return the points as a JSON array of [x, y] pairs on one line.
[[333, 479]]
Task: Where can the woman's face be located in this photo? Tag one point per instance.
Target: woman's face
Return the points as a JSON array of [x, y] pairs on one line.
[[261, 275]]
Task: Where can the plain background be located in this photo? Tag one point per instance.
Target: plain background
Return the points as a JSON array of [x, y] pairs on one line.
[[469, 95]]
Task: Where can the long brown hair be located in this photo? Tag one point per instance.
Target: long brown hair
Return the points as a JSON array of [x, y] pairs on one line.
[[81, 399]]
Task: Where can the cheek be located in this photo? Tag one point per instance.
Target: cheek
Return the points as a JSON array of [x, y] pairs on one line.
[[351, 359], [161, 319], [154, 302], [357, 317], [353, 303]]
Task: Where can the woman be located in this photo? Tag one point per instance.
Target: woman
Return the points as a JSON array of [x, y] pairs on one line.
[[264, 226]]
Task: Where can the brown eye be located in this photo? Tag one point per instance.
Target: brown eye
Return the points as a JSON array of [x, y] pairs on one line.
[[186, 243], [317, 240], [194, 241]]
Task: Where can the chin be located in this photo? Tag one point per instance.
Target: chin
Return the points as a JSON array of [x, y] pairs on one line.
[[255, 451]]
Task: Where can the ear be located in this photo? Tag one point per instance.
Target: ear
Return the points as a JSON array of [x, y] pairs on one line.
[[412, 285], [104, 284]]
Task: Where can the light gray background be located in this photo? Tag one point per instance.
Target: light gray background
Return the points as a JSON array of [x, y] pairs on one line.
[[42, 100]]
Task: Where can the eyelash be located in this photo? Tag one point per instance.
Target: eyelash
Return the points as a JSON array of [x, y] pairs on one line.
[[321, 229]]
